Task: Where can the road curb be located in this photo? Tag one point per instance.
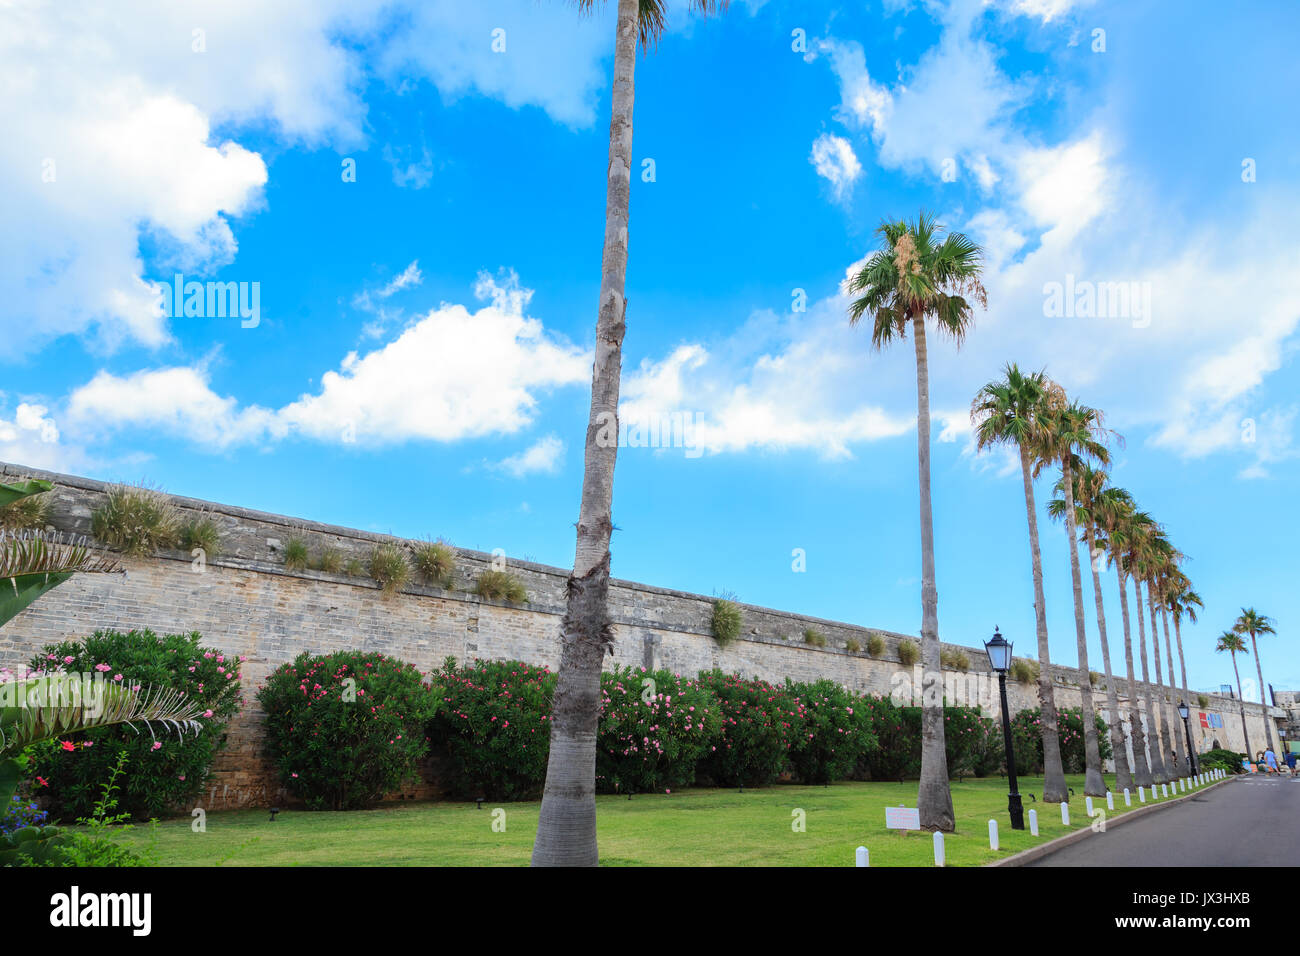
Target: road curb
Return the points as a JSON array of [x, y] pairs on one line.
[[1042, 850]]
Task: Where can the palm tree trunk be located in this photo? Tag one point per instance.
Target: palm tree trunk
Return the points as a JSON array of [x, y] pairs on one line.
[[933, 799], [1123, 776], [1141, 767], [566, 828], [1094, 785], [1259, 671], [1054, 789], [1167, 738], [1155, 754], [1241, 704], [1184, 761], [1182, 668]]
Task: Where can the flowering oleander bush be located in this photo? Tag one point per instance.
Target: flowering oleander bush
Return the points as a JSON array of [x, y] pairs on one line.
[[1027, 740], [166, 770], [345, 728], [966, 741], [654, 728], [761, 722], [494, 726], [835, 732]]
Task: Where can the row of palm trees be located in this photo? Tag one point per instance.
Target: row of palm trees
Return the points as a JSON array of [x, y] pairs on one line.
[[917, 275], [1253, 624], [1033, 413]]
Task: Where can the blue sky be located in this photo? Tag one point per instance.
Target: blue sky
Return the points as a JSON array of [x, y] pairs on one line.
[[421, 360]]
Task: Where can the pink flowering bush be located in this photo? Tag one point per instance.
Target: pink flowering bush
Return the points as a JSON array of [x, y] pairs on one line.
[[654, 727], [1027, 740], [835, 732], [494, 728], [165, 771], [343, 729], [761, 723]]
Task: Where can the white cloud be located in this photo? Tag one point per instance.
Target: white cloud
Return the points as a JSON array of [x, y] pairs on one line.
[[834, 160], [32, 438], [177, 401], [543, 456], [452, 374]]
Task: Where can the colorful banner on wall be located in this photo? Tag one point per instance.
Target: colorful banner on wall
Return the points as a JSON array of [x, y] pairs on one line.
[[1209, 721]]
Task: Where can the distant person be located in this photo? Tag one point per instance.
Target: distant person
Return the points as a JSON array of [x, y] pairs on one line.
[[1290, 761], [1270, 760]]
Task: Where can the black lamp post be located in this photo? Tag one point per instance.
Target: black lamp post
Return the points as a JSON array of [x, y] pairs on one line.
[[999, 652], [1183, 711]]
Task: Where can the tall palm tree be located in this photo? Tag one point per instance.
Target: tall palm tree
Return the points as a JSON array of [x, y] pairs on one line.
[[1092, 496], [1010, 412], [1164, 564], [1137, 535], [566, 828], [1253, 623], [1073, 434], [1231, 642], [1154, 562], [1167, 584], [1116, 516], [914, 276], [1183, 602]]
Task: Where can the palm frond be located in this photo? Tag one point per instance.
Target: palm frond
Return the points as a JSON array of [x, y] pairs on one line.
[[43, 708]]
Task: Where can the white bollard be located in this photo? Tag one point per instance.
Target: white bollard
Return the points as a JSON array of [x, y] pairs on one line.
[[1065, 813], [1110, 800], [1182, 785], [1128, 798], [1033, 822], [1142, 794], [938, 848], [993, 834], [1164, 790], [1087, 806], [863, 857]]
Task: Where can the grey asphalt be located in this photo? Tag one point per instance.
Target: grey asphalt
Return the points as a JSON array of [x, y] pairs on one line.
[[1253, 821]]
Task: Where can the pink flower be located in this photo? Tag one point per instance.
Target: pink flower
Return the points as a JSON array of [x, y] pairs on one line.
[[102, 667], [157, 745]]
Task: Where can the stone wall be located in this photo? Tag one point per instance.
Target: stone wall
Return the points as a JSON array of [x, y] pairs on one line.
[[246, 602]]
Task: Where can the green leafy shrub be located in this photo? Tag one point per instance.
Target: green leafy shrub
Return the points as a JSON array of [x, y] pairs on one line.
[[726, 621], [494, 727], [1202, 700], [1221, 759], [852, 645], [965, 741], [1027, 739], [389, 567], [296, 555], [954, 660], [892, 758], [136, 520], [654, 728], [1023, 671], [201, 532], [814, 637], [760, 723], [835, 731], [436, 563], [909, 652], [875, 645], [497, 585], [166, 771], [343, 729]]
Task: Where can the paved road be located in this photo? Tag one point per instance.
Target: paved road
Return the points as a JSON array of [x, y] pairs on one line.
[[1251, 821]]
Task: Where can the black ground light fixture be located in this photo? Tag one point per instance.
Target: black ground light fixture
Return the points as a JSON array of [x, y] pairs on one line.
[[999, 652], [1183, 711]]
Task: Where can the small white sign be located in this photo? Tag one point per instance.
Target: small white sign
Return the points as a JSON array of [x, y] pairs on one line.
[[902, 818]]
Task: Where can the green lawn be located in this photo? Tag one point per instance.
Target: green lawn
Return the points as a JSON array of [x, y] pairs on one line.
[[689, 828]]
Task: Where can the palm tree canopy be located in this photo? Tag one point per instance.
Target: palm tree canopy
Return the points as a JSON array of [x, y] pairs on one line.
[[1008, 411], [917, 274], [652, 15], [1253, 623], [1232, 643], [1071, 431]]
